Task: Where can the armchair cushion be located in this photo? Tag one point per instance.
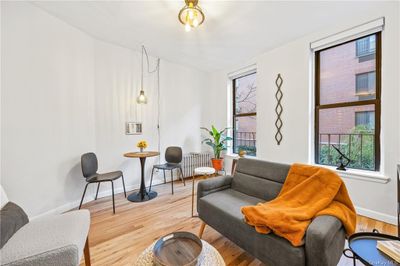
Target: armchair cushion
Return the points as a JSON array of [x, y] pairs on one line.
[[51, 240], [12, 218]]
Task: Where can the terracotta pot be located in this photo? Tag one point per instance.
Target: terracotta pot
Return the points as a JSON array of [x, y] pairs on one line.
[[217, 164]]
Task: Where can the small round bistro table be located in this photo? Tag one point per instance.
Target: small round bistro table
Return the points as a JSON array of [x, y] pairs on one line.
[[209, 256], [205, 172], [362, 247], [143, 194]]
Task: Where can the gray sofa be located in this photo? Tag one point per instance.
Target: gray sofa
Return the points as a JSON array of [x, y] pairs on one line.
[[219, 201]]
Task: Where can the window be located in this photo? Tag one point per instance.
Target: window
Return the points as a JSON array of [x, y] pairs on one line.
[[244, 114], [347, 113], [365, 46], [365, 119], [365, 85]]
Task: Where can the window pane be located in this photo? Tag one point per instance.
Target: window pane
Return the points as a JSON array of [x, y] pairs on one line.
[[365, 86], [365, 46], [245, 134], [352, 130], [366, 119], [245, 94], [344, 75]]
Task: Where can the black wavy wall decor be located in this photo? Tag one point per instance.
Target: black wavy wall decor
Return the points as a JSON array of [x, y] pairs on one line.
[[278, 109]]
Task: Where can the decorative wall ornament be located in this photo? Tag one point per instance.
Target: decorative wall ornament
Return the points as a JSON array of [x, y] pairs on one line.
[[278, 109]]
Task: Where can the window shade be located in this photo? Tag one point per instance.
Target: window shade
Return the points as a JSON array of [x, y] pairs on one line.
[[349, 34]]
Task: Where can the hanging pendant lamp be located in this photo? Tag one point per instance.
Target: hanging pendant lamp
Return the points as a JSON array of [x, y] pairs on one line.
[[141, 99]]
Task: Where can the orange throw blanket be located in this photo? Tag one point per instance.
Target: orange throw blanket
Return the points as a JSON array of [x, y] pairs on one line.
[[308, 192]]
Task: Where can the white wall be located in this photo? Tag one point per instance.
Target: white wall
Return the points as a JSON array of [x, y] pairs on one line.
[[47, 116], [292, 60], [117, 85], [65, 93]]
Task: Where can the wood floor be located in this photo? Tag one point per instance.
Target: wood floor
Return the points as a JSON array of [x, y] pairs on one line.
[[118, 239]]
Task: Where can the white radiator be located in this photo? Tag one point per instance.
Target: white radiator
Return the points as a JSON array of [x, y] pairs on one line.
[[193, 160]]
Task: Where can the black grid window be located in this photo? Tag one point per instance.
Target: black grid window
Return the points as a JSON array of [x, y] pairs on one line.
[[244, 114]]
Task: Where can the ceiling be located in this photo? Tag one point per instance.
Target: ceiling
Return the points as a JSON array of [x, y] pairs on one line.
[[233, 32]]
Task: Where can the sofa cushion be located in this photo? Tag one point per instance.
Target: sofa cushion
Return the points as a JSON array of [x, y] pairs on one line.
[[221, 211], [12, 218], [259, 179], [50, 240]]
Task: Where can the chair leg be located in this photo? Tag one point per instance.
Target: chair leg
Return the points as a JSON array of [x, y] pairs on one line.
[[86, 251], [112, 188], [192, 194], [182, 177], [80, 205], [151, 179], [165, 180], [202, 227], [97, 192], [123, 184], [172, 181]]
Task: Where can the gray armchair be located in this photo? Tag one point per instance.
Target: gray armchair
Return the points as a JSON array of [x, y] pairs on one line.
[[219, 201], [51, 240]]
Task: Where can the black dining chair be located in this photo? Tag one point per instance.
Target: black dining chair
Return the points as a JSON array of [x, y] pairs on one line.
[[173, 158], [89, 166]]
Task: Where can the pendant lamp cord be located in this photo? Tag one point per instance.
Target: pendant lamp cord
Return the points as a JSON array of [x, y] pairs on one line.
[[156, 69], [158, 109]]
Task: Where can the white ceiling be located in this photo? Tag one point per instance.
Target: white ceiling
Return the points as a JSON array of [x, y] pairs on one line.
[[233, 32]]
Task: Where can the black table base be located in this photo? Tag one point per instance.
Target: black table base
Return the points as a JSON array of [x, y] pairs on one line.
[[137, 196], [143, 194]]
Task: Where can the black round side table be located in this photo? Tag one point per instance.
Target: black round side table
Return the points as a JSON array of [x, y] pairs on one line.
[[362, 247]]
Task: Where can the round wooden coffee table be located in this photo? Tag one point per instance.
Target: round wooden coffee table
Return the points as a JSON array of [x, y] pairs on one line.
[[209, 256]]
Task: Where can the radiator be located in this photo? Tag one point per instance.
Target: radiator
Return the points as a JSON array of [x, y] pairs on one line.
[[193, 160]]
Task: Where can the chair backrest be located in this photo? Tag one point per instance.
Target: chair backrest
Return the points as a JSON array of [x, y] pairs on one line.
[[173, 155], [259, 178], [89, 164]]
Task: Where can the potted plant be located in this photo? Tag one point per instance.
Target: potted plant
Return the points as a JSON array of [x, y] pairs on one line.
[[218, 143]]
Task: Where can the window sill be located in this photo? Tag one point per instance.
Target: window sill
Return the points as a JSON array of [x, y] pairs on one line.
[[370, 176], [236, 156]]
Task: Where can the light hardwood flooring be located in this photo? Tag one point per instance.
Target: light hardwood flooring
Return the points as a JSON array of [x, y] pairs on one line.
[[119, 239]]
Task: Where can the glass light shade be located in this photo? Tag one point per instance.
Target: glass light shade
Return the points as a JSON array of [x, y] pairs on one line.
[[141, 99], [191, 15]]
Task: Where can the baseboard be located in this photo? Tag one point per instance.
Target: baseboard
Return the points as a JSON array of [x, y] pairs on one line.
[[61, 209], [88, 198], [377, 215]]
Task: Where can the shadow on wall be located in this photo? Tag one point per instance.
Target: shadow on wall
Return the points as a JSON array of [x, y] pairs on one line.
[[74, 181]]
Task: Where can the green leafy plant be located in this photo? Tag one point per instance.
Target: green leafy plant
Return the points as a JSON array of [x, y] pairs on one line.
[[217, 141]]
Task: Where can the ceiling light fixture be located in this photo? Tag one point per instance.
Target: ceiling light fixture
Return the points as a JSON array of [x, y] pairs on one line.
[[191, 15]]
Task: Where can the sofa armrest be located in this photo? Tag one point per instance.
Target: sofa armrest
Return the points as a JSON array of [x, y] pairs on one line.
[[212, 185], [324, 241]]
